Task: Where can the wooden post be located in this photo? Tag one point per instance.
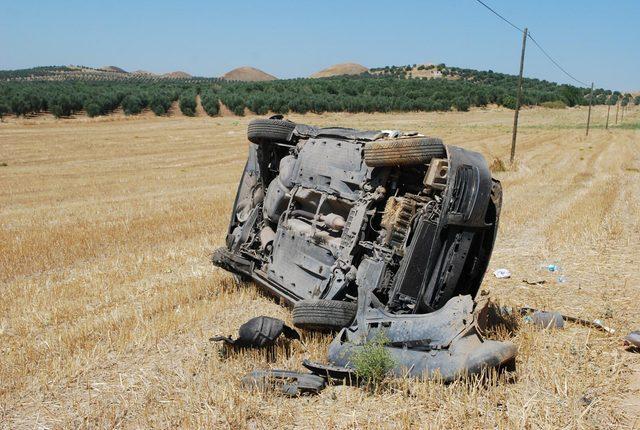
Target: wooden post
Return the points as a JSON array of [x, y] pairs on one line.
[[589, 114], [622, 116], [617, 110], [518, 99], [608, 110]]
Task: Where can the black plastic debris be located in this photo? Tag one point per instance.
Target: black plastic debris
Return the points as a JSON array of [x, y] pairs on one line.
[[632, 341], [289, 383], [259, 332], [336, 373]]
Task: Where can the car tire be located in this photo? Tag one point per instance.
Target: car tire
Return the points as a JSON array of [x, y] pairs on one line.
[[323, 315], [270, 130], [403, 152]]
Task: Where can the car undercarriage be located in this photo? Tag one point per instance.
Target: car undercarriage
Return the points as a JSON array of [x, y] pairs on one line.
[[366, 232]]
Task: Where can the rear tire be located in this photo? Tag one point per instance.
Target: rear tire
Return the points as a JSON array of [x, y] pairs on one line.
[[270, 130], [323, 315], [403, 152]]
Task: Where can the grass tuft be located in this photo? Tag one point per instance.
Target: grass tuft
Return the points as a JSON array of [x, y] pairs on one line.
[[374, 362]]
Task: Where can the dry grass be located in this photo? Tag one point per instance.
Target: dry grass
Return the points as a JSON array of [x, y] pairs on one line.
[[108, 297]]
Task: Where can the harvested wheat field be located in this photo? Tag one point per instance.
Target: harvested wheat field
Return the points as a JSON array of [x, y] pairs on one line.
[[109, 298]]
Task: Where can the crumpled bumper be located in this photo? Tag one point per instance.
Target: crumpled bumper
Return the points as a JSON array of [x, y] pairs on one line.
[[445, 344]]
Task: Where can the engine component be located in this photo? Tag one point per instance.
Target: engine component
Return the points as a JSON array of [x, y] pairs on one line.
[[396, 220]]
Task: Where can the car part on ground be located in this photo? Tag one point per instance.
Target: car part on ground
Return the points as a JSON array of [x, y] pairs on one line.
[[289, 383], [331, 215], [442, 344], [597, 324], [259, 332], [337, 374]]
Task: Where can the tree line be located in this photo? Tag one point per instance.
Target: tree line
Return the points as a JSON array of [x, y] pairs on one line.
[[364, 93]]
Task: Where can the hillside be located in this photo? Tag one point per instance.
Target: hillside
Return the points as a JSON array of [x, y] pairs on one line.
[[248, 74], [84, 73], [142, 73], [414, 71], [177, 75], [113, 69], [341, 69]]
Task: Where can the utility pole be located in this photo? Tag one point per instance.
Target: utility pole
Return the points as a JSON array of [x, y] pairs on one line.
[[617, 109], [518, 100], [608, 110], [589, 114]]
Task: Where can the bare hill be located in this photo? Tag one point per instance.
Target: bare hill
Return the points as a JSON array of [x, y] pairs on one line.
[[248, 74], [177, 75], [341, 69], [143, 73]]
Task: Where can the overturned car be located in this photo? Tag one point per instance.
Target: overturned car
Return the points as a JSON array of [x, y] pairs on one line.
[[369, 232]]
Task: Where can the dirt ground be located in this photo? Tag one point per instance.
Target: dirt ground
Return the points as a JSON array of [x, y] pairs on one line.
[[108, 296]]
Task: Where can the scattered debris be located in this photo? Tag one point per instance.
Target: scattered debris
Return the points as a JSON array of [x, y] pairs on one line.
[[535, 282], [289, 383], [334, 373], [502, 273], [598, 324], [632, 341], [546, 319], [552, 268], [259, 332]]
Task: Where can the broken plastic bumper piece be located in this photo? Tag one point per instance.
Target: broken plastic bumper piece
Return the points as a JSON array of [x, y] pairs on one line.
[[444, 344]]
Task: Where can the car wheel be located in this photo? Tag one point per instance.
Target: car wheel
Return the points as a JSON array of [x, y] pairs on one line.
[[270, 130], [403, 152], [323, 315]]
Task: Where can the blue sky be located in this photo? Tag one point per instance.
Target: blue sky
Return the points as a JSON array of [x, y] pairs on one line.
[[595, 40]]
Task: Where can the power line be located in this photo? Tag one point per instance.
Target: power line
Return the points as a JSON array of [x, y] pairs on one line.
[[555, 62], [535, 42], [500, 16]]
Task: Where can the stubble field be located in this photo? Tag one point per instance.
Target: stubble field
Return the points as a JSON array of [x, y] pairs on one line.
[[108, 297]]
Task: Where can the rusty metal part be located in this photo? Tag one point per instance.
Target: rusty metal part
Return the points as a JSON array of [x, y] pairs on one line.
[[403, 152], [396, 219]]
